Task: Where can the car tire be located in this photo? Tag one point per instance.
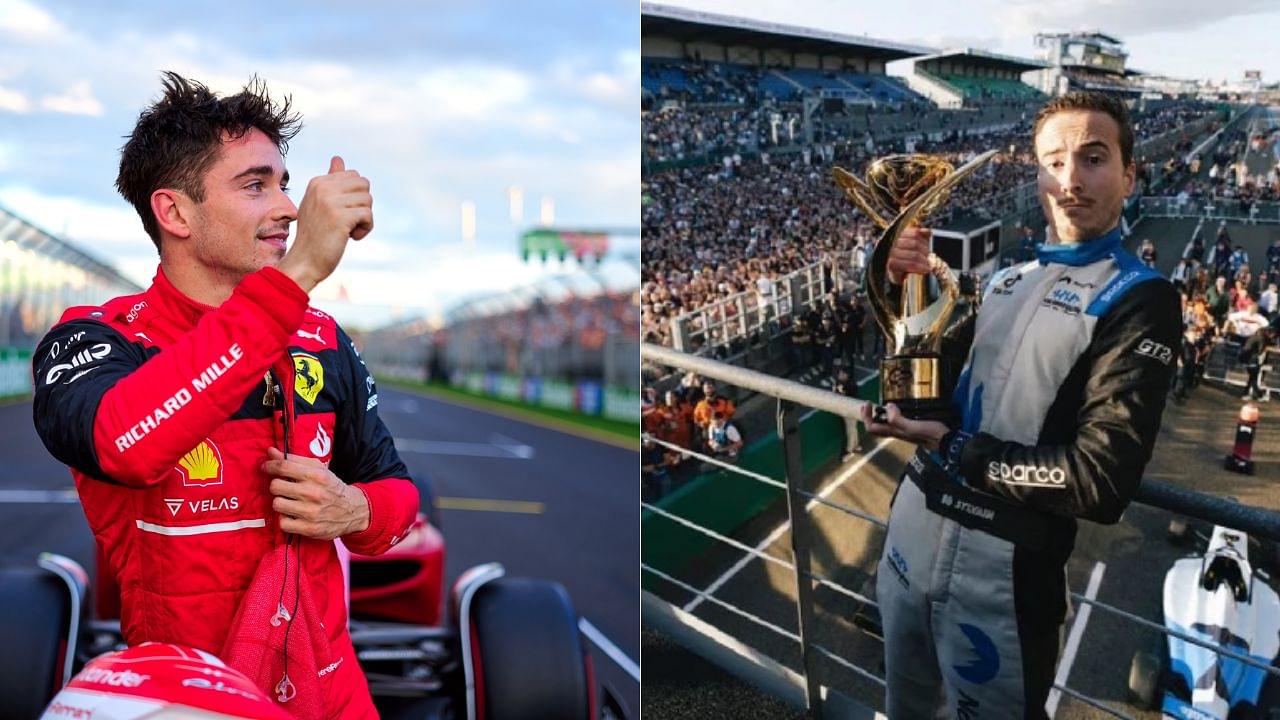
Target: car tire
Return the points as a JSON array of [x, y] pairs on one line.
[[34, 619], [527, 652], [1144, 678], [427, 494]]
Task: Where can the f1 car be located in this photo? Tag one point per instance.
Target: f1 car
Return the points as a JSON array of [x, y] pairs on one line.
[[510, 648], [1220, 598]]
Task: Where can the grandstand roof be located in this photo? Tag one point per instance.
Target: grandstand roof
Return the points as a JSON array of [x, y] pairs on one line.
[[15, 228], [982, 57], [685, 24]]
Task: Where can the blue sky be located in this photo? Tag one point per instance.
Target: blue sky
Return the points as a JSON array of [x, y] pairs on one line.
[[438, 103], [1198, 39]]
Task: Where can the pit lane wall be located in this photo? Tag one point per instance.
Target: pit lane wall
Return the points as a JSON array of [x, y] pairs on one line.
[[589, 397], [15, 372]]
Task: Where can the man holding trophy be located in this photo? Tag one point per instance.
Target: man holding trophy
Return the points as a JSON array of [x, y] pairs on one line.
[[1052, 416]]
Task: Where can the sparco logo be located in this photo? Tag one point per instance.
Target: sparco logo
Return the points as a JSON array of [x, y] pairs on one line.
[[1153, 349], [1119, 285], [1026, 475], [97, 352]]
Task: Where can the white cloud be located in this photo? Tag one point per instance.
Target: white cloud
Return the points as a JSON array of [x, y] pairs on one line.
[[1131, 18], [471, 92], [27, 21], [76, 100], [13, 101], [428, 135]]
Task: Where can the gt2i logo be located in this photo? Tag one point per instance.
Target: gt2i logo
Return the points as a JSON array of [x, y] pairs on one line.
[[97, 352], [1031, 475], [1155, 350]]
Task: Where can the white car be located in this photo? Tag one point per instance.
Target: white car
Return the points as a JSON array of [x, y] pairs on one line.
[[1218, 597]]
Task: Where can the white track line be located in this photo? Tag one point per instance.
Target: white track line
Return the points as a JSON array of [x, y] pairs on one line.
[[613, 651], [786, 525], [39, 497], [1073, 640], [468, 449]]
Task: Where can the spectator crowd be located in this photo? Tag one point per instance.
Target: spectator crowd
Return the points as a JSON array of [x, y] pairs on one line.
[[738, 226]]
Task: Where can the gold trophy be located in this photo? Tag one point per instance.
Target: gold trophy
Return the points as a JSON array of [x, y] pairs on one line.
[[901, 191]]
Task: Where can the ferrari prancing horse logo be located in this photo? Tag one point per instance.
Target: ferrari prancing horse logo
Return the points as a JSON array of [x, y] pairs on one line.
[[308, 377]]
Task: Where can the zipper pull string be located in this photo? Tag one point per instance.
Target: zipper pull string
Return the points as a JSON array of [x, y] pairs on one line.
[[285, 689], [282, 615]]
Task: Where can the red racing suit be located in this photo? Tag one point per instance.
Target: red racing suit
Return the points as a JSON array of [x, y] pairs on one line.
[[162, 409]]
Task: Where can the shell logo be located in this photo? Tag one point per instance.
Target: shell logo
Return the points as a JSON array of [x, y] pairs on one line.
[[202, 466]]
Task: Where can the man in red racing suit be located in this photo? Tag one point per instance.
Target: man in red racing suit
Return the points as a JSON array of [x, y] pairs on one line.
[[172, 406]]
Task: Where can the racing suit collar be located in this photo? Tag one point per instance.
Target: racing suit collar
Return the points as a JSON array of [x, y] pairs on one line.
[[1079, 254], [176, 304]]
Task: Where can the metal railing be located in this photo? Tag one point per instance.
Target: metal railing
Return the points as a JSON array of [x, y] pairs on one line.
[[1257, 522], [1223, 365], [1229, 209], [751, 314]]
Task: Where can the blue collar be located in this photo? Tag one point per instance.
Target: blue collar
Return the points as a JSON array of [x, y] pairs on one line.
[[1081, 253]]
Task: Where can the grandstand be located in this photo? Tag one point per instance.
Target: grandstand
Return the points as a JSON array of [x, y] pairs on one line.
[[568, 342], [971, 78], [1085, 60], [41, 275], [700, 58]]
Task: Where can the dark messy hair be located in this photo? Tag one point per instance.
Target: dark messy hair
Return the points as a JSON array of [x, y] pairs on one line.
[[179, 137], [1098, 102]]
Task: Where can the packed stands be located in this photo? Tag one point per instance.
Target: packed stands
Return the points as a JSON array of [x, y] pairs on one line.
[[714, 231], [704, 82]]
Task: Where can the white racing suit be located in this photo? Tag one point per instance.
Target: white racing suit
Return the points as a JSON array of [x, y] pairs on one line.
[[1060, 402]]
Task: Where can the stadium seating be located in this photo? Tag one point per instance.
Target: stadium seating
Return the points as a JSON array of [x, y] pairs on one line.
[[704, 82], [979, 88]]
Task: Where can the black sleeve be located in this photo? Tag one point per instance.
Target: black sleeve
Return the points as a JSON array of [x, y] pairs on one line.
[[1128, 367], [364, 451], [73, 367]]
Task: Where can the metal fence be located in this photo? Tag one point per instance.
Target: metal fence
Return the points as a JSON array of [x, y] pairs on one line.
[[750, 315], [1228, 209], [805, 687], [1223, 365]]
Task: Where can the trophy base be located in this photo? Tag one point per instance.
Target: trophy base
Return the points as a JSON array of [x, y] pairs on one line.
[[920, 385]]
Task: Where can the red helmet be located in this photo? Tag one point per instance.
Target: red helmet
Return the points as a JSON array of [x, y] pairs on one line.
[[159, 680]]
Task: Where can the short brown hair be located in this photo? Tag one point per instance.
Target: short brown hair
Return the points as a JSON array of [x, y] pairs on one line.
[[178, 139], [1092, 101]]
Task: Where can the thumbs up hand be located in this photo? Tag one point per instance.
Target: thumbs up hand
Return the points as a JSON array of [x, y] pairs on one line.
[[336, 207]]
